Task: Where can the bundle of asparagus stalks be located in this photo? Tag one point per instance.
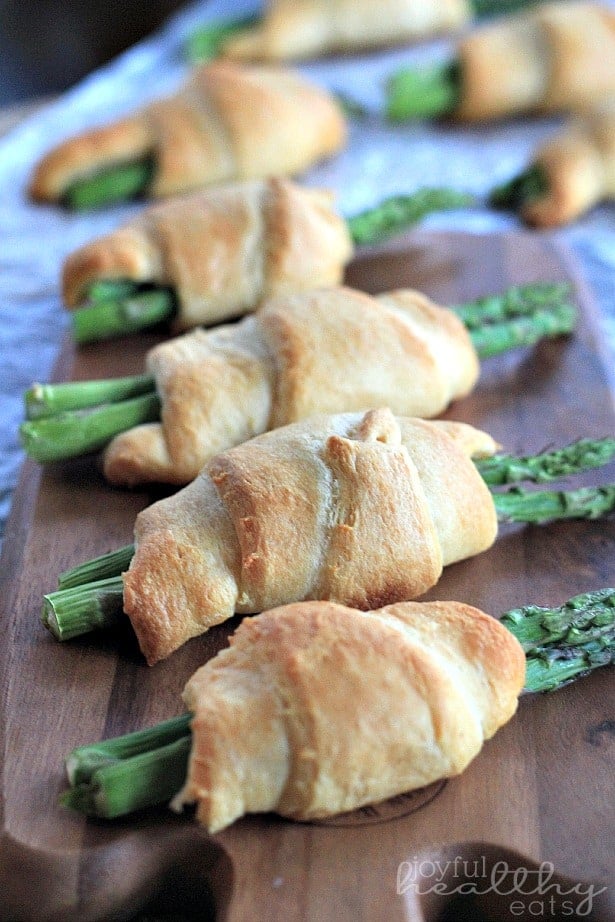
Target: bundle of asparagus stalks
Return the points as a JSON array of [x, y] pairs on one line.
[[70, 419], [122, 775]]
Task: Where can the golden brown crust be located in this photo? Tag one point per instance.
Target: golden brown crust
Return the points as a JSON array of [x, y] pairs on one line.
[[228, 122], [222, 250], [579, 167], [325, 351], [358, 508], [354, 707], [559, 56], [297, 29]]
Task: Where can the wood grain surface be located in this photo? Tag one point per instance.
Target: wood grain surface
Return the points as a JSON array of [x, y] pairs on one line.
[[540, 791]]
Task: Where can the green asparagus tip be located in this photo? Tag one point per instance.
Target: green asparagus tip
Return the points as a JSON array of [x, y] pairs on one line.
[[581, 455], [516, 301], [523, 331], [400, 212], [541, 506]]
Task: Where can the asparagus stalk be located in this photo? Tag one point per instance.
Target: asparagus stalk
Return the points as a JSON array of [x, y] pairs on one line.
[[76, 422], [44, 400], [94, 599], [77, 432], [528, 185], [146, 768], [206, 42], [423, 94], [403, 211], [116, 183], [116, 316]]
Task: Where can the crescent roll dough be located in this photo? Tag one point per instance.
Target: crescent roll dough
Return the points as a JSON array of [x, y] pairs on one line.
[[559, 56], [228, 122], [222, 250], [325, 351], [579, 166], [362, 509], [296, 29], [316, 709]]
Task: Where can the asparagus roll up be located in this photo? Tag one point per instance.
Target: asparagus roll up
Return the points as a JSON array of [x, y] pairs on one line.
[[570, 173], [322, 351], [228, 122], [217, 253], [290, 31], [554, 58], [362, 509], [272, 720]]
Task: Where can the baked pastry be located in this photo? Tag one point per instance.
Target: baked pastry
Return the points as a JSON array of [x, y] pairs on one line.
[[556, 57], [296, 29], [323, 351], [228, 122], [578, 166], [363, 509], [223, 249], [316, 708]]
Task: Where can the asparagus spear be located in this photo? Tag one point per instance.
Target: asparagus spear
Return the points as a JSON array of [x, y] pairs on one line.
[[205, 42], [95, 596], [75, 423], [513, 195], [116, 183], [125, 774]]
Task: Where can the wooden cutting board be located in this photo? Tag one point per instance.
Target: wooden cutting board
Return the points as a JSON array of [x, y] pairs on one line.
[[540, 791]]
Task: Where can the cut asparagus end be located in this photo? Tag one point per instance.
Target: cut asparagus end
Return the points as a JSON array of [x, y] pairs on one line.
[[549, 465], [85, 760], [427, 93], [109, 185], [78, 432], [513, 195], [400, 212], [494, 338], [516, 301], [43, 400], [128, 785], [105, 319], [206, 42], [541, 506], [107, 565], [69, 613]]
